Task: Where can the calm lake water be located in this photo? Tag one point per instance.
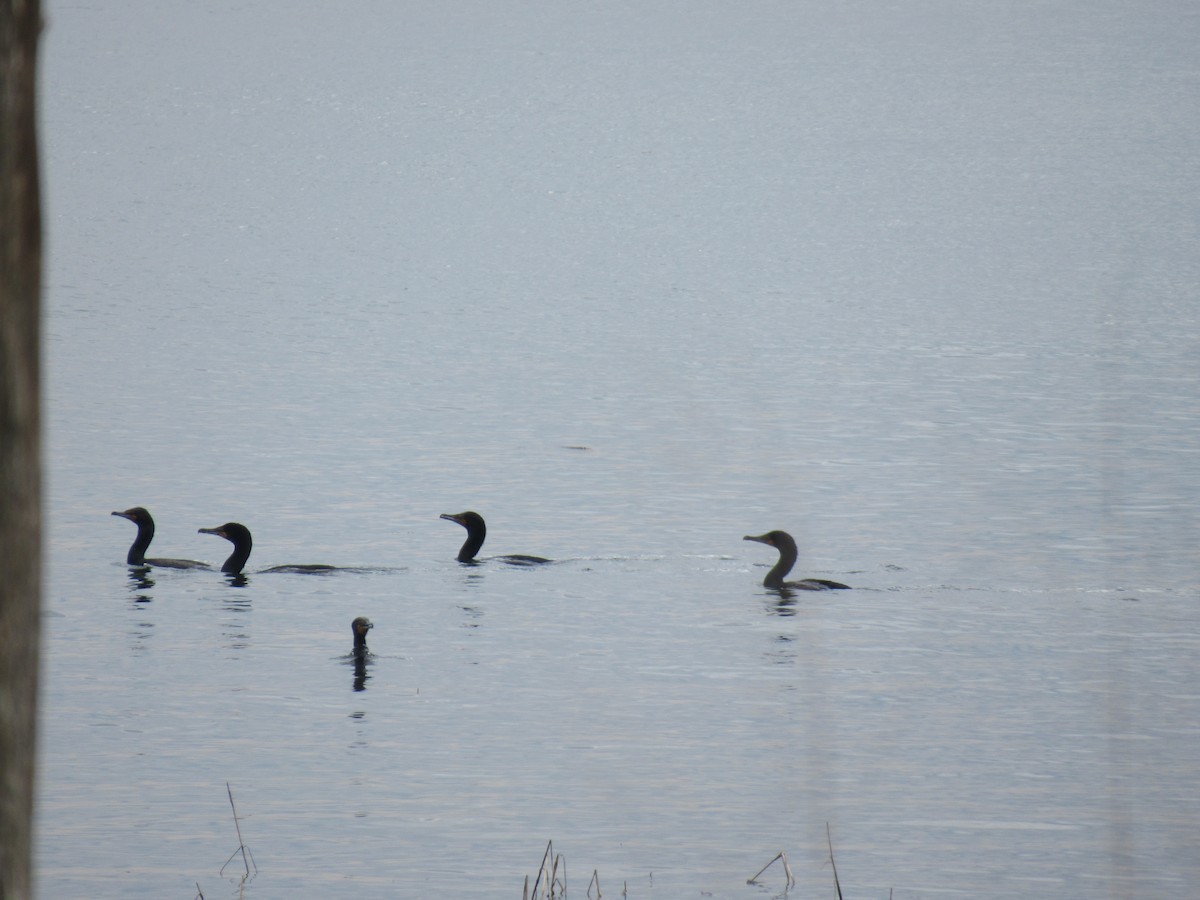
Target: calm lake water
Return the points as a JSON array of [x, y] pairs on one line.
[[915, 282]]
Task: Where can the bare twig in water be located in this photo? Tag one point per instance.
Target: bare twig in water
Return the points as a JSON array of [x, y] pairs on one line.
[[836, 883], [787, 870], [247, 856], [199, 893], [596, 881]]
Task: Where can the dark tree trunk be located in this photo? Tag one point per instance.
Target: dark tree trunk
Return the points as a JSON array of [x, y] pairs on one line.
[[20, 469]]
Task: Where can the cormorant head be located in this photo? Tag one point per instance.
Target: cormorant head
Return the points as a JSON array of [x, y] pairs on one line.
[[234, 532], [136, 514], [468, 520]]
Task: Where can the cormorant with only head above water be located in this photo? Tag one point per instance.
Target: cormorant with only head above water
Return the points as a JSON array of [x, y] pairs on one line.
[[360, 627], [239, 535], [783, 542], [476, 532], [360, 655], [141, 517]]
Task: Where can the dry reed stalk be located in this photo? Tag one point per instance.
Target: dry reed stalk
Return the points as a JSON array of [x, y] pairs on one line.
[[551, 880], [554, 879], [541, 869], [548, 871], [836, 883], [787, 870], [247, 856]]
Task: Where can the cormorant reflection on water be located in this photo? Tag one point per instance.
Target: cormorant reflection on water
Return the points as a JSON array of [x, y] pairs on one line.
[[141, 517], [783, 542], [239, 535], [141, 582], [476, 533]]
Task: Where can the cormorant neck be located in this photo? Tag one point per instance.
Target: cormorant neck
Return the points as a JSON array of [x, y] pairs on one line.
[[237, 559], [137, 551], [472, 546], [476, 532], [241, 546], [787, 559]]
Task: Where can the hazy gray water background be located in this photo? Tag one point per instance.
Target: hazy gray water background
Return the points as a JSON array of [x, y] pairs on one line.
[[916, 282]]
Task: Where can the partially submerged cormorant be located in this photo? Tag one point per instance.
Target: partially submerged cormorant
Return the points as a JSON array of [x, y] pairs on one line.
[[783, 542], [476, 532], [360, 627], [239, 535], [141, 517]]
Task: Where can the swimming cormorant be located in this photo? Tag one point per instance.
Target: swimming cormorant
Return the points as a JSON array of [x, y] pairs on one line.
[[476, 532], [360, 627], [783, 542], [141, 517], [239, 535]]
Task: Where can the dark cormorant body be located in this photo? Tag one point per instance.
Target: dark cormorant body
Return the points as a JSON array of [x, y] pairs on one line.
[[783, 542], [141, 517], [476, 532], [239, 535]]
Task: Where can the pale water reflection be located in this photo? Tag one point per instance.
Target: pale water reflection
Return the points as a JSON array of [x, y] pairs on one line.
[[918, 288]]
